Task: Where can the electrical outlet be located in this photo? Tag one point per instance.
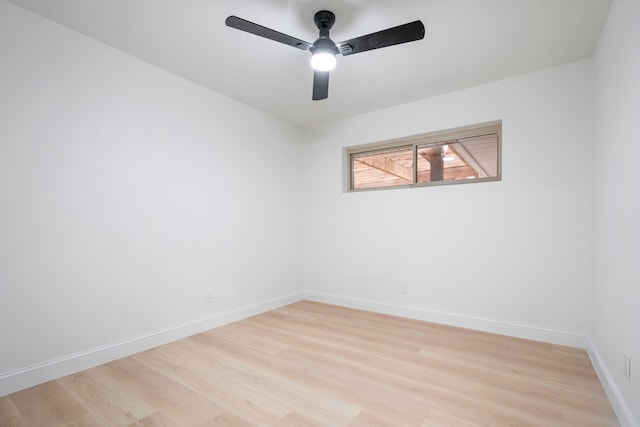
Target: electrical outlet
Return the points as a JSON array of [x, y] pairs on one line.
[[627, 366], [208, 296], [404, 288]]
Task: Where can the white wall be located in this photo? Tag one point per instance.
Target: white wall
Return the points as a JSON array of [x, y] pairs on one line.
[[125, 192], [615, 316], [516, 252]]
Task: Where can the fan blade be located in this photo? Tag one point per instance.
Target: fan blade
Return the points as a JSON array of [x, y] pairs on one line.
[[320, 85], [268, 33], [391, 36]]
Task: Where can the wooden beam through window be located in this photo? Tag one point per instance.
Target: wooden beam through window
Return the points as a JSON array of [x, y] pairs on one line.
[[384, 163]]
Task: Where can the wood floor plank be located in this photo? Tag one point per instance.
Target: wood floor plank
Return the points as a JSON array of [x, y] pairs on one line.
[[228, 419], [367, 418], [109, 403], [86, 420], [295, 419], [363, 359], [9, 415], [225, 360], [304, 369], [157, 419], [312, 364], [437, 418], [225, 392], [47, 405], [181, 404]]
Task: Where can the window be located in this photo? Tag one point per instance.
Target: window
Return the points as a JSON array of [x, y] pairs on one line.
[[470, 154]]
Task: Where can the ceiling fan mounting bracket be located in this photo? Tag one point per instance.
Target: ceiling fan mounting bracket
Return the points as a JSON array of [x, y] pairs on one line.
[[324, 19]]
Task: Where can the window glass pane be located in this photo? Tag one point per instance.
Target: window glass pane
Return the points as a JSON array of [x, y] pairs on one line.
[[382, 168], [465, 158]]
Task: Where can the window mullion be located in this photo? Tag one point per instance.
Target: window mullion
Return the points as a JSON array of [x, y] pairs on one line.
[[415, 163]]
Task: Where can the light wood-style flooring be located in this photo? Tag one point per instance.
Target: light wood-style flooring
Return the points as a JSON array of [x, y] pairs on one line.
[[312, 364]]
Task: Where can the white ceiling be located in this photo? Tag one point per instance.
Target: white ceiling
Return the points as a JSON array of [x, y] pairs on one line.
[[467, 42]]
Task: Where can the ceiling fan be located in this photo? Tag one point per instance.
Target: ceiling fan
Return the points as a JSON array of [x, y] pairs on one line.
[[324, 50]]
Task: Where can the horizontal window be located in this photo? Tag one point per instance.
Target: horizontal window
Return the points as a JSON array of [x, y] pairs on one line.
[[464, 155]]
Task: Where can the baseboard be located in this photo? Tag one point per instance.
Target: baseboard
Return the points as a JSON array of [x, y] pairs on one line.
[[618, 402], [453, 319], [30, 376], [33, 375]]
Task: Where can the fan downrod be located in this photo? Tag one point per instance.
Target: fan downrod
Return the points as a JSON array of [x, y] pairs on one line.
[[324, 19]]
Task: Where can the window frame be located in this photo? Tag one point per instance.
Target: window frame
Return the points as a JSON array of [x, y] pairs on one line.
[[441, 137]]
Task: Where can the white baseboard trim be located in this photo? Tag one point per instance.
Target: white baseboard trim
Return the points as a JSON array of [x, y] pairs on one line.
[[30, 376], [453, 319], [49, 370], [618, 402]]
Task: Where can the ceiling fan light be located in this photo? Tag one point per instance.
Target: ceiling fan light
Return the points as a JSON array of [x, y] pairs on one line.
[[323, 61]]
